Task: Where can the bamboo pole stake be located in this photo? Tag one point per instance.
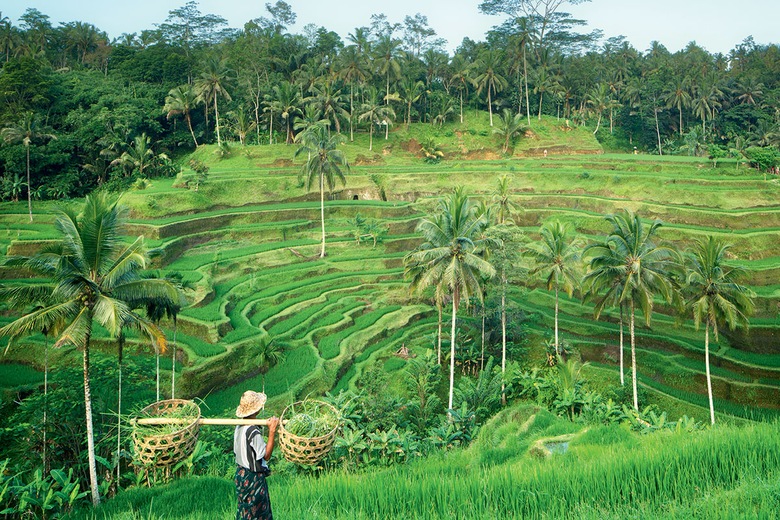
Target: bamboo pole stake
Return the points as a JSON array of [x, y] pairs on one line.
[[159, 421]]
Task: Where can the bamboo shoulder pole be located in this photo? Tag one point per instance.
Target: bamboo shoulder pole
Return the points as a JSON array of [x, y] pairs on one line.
[[159, 421]]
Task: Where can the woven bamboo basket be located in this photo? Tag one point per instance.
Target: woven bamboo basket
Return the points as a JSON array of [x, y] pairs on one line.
[[170, 448], [305, 450]]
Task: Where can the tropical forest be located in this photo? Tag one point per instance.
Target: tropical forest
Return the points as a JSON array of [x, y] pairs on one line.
[[529, 276]]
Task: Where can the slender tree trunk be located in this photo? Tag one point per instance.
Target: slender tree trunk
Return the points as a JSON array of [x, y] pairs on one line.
[[503, 336], [622, 375], [120, 345], [157, 370], [482, 355], [371, 136], [45, 400], [633, 355], [455, 296], [557, 352], [189, 125], [29, 185], [679, 109], [490, 106], [707, 363], [322, 212], [387, 129], [461, 107], [351, 110], [525, 80], [541, 98], [598, 124], [438, 353], [658, 132], [216, 119], [93, 481], [271, 127], [173, 361]]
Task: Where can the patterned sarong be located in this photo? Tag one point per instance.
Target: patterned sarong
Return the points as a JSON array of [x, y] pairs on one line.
[[253, 500]]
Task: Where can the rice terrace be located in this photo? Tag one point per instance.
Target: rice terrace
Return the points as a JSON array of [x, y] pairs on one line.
[[536, 277]]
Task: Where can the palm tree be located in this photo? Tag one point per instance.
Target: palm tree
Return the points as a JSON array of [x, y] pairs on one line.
[[139, 156], [269, 354], [450, 258], [388, 52], [509, 126], [27, 131], [329, 103], [489, 78], [558, 255], [409, 92], [241, 123], [501, 198], [213, 83], [461, 78], [375, 113], [325, 164], [182, 100], [679, 97], [285, 101], [715, 297], [599, 100], [353, 68], [642, 269], [96, 278]]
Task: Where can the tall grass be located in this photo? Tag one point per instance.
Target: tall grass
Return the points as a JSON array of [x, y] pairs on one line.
[[726, 472]]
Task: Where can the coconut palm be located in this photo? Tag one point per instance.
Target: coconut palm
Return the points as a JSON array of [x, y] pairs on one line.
[[557, 255], [241, 123], [95, 278], [139, 156], [211, 84], [328, 101], [27, 131], [325, 163], [450, 259], [461, 78], [353, 68], [501, 198], [714, 296], [409, 92], [679, 97], [375, 113], [509, 126], [489, 78], [286, 101], [388, 55], [641, 267], [182, 100]]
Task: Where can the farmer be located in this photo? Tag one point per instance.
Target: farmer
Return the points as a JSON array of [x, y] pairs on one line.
[[252, 454]]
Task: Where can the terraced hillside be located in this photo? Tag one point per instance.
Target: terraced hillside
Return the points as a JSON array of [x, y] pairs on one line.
[[245, 245]]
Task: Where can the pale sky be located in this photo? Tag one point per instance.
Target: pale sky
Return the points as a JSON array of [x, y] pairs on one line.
[[716, 25]]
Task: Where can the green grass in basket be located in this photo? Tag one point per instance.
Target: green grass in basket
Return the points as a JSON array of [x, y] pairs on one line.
[[188, 412], [311, 419]]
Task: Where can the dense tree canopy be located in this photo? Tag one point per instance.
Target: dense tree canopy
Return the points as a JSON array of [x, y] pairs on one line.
[[184, 81]]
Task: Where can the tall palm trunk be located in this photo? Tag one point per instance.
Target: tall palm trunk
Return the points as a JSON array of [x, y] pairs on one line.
[[173, 361], [707, 363], [482, 355], [351, 111], [438, 352], [503, 335], [322, 212], [29, 186], [557, 352], [45, 399], [622, 375], [541, 98], [93, 481], [490, 106], [216, 119], [455, 297], [189, 125], [525, 79], [461, 107], [270, 127], [120, 348], [633, 355]]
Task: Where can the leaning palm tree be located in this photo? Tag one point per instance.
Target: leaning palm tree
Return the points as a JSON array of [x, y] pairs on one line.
[[642, 268], [182, 100], [557, 255], [715, 297], [95, 278], [325, 163], [450, 258], [27, 131], [489, 78]]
